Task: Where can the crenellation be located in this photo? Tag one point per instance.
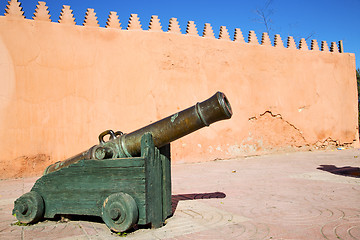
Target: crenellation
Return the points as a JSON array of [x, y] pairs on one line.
[[252, 39], [90, 18], [278, 41], [314, 45], [14, 9], [174, 26], [238, 36], [208, 31], [334, 47], [224, 34], [341, 46], [303, 45], [134, 23], [113, 21], [41, 12], [155, 24], [291, 43], [191, 29], [265, 39], [66, 16], [324, 46]]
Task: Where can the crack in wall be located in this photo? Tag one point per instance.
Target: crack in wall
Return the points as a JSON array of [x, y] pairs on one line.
[[279, 117], [328, 142]]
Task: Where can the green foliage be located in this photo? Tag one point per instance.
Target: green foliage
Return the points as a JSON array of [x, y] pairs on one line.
[[18, 223], [21, 224], [122, 234]]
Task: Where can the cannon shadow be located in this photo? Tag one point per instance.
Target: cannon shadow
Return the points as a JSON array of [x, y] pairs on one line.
[[193, 196], [343, 171]]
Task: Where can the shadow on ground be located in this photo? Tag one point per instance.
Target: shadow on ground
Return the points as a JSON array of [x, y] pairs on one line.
[[343, 171], [192, 196]]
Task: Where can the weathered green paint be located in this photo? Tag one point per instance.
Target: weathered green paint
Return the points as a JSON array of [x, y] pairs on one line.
[[153, 183], [83, 188], [165, 155], [29, 208], [119, 212]]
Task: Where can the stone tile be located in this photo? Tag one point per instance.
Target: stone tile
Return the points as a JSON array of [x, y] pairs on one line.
[[53, 231], [283, 196]]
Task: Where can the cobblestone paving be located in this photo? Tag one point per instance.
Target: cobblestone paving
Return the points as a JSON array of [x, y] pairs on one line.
[[308, 195]]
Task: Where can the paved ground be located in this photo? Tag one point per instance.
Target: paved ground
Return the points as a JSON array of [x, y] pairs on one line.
[[308, 195]]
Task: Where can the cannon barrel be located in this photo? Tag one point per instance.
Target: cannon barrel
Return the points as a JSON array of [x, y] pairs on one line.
[[164, 131]]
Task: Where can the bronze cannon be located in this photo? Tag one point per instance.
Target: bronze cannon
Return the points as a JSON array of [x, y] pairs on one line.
[[163, 131], [125, 180]]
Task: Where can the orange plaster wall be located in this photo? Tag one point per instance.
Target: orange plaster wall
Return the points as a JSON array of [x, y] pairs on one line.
[[61, 85]]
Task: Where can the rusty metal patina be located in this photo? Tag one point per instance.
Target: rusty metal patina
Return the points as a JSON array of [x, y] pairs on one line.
[[164, 131]]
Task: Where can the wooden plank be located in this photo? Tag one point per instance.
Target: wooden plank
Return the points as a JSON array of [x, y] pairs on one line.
[[158, 205], [118, 173], [131, 187], [71, 180], [153, 181], [166, 180], [147, 152], [113, 162]]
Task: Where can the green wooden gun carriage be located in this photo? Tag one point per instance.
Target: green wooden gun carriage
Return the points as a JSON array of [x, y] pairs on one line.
[[126, 180]]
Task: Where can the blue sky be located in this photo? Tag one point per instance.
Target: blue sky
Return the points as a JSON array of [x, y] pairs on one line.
[[323, 20]]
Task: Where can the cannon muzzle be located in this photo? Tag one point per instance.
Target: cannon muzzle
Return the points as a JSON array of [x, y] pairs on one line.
[[164, 131]]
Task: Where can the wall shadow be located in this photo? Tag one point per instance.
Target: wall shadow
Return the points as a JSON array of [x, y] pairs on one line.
[[192, 196], [343, 171]]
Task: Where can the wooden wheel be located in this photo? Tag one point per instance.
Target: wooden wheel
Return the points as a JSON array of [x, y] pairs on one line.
[[29, 208], [119, 212]]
